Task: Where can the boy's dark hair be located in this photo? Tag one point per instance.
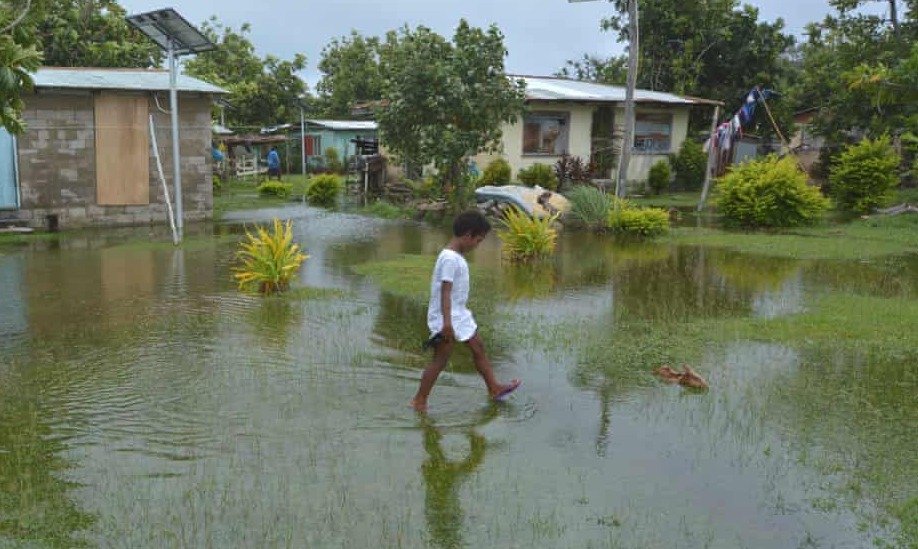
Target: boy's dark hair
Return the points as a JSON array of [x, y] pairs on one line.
[[471, 222]]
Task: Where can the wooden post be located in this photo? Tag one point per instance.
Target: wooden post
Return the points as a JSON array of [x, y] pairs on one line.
[[628, 137], [709, 169]]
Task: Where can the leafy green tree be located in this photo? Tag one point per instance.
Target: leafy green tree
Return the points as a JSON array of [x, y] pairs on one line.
[[447, 100], [612, 71], [261, 91], [350, 74], [93, 33], [860, 71], [709, 48], [19, 56]]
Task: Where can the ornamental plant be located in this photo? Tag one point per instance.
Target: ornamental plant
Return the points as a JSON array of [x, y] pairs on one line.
[[862, 177], [689, 165], [268, 259], [589, 207], [658, 179], [626, 218], [525, 238], [498, 172], [323, 190], [275, 188], [769, 192], [539, 174]]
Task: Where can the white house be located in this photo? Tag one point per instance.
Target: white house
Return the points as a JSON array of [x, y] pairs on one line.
[[583, 119]]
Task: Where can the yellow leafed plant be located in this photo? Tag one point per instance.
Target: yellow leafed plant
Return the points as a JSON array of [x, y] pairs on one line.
[[268, 259], [525, 238]]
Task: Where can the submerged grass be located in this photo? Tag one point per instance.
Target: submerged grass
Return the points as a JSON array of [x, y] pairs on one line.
[[669, 200], [860, 239], [386, 210], [241, 194]]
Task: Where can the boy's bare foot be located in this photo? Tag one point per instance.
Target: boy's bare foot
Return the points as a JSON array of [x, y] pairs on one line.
[[505, 389], [418, 405]]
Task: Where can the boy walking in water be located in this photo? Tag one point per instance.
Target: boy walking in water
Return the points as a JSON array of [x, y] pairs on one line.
[[448, 317]]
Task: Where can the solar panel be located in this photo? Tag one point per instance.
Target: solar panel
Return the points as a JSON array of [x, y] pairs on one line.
[[165, 25]]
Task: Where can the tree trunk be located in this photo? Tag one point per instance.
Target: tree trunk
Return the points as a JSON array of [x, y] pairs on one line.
[[628, 137], [893, 16]]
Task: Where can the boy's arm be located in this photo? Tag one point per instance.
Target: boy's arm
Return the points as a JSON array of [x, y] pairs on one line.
[[446, 309]]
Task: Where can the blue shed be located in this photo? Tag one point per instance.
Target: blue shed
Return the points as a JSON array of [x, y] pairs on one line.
[[322, 134]]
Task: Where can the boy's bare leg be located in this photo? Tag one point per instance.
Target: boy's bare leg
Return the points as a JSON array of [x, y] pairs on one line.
[[483, 365], [430, 375]]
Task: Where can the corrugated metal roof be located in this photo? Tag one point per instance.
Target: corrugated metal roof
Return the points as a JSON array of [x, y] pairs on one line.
[[117, 79], [560, 89], [354, 125]]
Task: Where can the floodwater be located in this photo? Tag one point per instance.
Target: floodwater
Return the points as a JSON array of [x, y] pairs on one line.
[[145, 403]]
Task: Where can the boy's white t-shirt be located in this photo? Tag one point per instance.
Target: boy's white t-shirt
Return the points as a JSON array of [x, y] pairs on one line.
[[451, 267]]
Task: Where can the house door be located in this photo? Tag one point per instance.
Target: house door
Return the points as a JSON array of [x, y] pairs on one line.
[[9, 190]]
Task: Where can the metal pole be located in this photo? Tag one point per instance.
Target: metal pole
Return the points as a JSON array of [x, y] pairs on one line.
[[709, 169], [176, 155], [303, 140], [628, 138], [162, 179]]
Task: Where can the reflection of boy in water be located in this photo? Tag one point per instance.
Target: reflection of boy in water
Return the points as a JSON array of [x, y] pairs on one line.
[[442, 479]]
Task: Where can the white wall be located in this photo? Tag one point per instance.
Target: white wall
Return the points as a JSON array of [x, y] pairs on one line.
[[579, 132]]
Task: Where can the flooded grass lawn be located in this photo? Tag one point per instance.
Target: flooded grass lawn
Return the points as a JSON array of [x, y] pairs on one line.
[[146, 403]]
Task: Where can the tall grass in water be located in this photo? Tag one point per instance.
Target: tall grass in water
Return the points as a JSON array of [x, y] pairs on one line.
[[268, 259], [525, 238], [589, 207]]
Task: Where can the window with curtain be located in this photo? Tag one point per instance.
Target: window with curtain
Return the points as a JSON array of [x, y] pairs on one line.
[[653, 133], [545, 133]]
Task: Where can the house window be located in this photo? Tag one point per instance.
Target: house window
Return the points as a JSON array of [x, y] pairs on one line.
[[652, 133], [545, 133]]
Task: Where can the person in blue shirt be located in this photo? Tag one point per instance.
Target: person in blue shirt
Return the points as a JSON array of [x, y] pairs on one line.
[[274, 164]]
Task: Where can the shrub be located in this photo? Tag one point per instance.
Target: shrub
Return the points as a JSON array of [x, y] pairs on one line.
[[539, 174], [498, 172], [769, 192], [333, 160], [324, 189], [525, 238], [385, 210], [658, 179], [268, 259], [217, 182], [571, 170], [589, 207], [275, 188], [862, 176], [689, 165], [636, 221]]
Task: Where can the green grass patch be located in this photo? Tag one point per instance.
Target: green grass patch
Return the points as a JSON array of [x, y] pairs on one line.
[[860, 239], [189, 243], [306, 293], [242, 194], [386, 210], [20, 239], [669, 200]]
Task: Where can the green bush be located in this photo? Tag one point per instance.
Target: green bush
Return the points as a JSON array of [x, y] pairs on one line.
[[385, 210], [589, 207], [498, 172], [217, 182], [689, 165], [324, 189], [636, 221], [769, 192], [275, 188], [863, 175], [539, 174], [333, 160], [658, 179]]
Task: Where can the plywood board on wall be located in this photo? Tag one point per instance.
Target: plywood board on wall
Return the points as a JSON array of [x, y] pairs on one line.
[[122, 150]]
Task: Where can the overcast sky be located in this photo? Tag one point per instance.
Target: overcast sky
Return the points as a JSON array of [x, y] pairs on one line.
[[540, 34]]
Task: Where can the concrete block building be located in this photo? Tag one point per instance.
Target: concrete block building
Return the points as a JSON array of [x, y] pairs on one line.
[[86, 158]]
